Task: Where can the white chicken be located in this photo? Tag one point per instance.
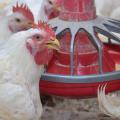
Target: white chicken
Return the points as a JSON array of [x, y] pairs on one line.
[[22, 61], [109, 104], [115, 13], [49, 9], [108, 8], [21, 19]]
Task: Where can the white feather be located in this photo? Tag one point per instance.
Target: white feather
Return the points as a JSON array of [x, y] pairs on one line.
[[109, 105], [115, 14], [5, 33]]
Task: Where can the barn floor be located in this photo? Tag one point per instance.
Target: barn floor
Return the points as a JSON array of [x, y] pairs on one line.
[[57, 108]]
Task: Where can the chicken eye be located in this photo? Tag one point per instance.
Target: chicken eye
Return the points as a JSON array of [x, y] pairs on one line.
[[38, 37], [50, 2], [18, 20]]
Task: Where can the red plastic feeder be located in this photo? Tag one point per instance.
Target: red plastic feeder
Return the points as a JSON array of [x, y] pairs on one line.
[[84, 62]]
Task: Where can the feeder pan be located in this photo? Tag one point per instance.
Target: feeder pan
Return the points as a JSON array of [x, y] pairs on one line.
[[84, 61]]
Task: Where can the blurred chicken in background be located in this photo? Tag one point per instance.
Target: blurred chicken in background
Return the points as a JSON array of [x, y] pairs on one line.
[[108, 8], [49, 9], [42, 9], [20, 19]]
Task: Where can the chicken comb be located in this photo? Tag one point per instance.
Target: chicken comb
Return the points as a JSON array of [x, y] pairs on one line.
[[46, 27], [23, 9]]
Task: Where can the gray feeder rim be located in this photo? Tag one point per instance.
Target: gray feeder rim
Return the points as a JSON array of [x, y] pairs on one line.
[[105, 77]]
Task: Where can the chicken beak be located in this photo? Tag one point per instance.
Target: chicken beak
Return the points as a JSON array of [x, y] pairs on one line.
[[56, 7], [29, 24], [53, 44]]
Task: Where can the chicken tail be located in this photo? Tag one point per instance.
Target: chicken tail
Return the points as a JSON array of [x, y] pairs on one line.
[[108, 104]]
